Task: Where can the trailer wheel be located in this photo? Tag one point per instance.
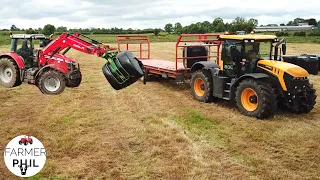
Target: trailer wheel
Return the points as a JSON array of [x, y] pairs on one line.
[[9, 73], [256, 99], [51, 82], [31, 141], [201, 86], [72, 83]]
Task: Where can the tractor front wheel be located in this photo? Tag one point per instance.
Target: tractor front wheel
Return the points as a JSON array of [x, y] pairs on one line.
[[31, 141], [201, 86], [256, 99], [72, 83], [51, 82], [20, 142], [9, 73]]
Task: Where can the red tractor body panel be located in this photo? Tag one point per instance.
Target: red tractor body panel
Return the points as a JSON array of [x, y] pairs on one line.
[[58, 61], [15, 57]]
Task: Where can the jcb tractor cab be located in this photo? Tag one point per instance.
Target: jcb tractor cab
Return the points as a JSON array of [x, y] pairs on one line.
[[250, 71]]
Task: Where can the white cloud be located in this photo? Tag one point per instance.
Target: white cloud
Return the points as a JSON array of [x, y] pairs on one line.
[[145, 13]]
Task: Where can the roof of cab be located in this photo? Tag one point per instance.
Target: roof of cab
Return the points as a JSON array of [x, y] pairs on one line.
[[28, 36], [249, 36]]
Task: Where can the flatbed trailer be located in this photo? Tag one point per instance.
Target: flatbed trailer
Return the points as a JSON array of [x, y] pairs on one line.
[[180, 66]]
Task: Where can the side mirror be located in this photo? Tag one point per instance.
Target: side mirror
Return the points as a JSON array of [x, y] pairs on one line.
[[284, 49]]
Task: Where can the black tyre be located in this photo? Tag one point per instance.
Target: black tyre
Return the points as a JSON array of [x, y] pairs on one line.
[[130, 63], [51, 82], [9, 73], [20, 142], [31, 141], [201, 86], [72, 83], [256, 99], [26, 143]]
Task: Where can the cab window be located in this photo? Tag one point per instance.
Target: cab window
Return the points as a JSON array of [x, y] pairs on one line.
[[231, 53]]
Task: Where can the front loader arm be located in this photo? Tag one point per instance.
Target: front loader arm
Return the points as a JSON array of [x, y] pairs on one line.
[[66, 41]]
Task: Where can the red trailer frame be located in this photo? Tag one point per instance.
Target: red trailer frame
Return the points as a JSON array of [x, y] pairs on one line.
[[166, 68]]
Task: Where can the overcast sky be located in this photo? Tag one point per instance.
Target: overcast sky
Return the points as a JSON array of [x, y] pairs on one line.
[[148, 13]]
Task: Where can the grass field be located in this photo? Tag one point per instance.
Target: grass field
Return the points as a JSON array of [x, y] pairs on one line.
[[157, 131]]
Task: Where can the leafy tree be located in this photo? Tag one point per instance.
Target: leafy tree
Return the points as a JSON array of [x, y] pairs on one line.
[[31, 31], [216, 21], [49, 29], [14, 28], [65, 29], [218, 25], [168, 28], [298, 20], [312, 21], [253, 22], [290, 23], [238, 24], [206, 26], [282, 24], [156, 32], [178, 28]]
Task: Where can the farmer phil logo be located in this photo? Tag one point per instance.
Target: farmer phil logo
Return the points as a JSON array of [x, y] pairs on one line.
[[25, 156]]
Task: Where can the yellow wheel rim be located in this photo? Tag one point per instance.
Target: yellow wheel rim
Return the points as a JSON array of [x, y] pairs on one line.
[[198, 87], [249, 99]]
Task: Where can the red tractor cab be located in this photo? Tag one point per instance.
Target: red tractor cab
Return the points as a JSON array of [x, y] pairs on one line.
[[26, 140]]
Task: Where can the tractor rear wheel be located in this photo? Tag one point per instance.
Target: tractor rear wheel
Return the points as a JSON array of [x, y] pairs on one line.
[[9, 73], [26, 143], [51, 82], [201, 86], [256, 99]]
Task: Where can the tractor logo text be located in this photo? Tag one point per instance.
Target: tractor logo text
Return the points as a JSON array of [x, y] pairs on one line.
[[77, 46], [25, 156]]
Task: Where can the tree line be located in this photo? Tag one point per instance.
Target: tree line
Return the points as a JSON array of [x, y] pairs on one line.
[[217, 25]]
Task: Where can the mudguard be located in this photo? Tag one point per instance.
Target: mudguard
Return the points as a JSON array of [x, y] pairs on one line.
[[204, 65], [250, 75], [15, 57]]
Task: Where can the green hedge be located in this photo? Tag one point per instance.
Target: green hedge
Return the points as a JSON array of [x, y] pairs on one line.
[[314, 33], [282, 34], [300, 33]]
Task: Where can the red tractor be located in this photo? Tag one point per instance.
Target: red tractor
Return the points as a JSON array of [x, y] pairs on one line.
[[25, 140], [52, 71]]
